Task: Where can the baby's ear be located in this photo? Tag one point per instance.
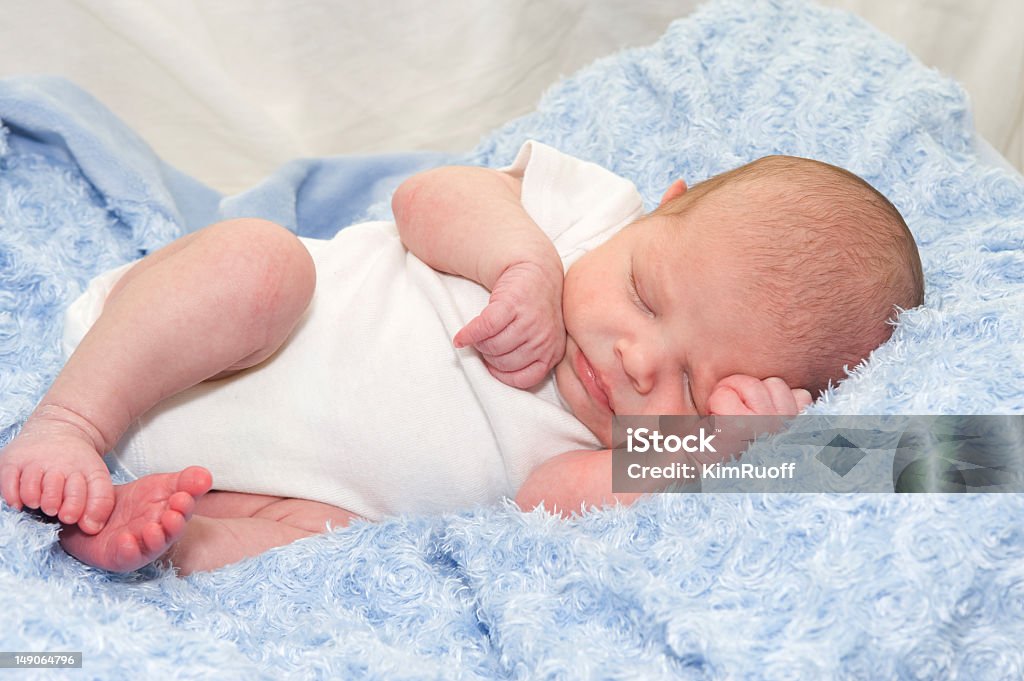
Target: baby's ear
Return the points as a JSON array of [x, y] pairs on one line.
[[677, 189]]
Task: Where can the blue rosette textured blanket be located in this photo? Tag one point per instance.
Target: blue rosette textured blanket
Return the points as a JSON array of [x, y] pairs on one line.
[[679, 586]]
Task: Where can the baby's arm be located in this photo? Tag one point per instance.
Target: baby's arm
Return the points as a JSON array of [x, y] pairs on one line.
[[572, 482], [578, 480], [470, 222]]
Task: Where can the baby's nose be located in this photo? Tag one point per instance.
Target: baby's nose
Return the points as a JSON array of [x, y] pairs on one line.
[[638, 363]]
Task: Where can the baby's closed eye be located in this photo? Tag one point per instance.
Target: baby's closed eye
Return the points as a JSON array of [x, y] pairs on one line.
[[634, 294]]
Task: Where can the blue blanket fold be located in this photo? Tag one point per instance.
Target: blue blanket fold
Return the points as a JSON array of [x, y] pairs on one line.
[[53, 118], [709, 586]]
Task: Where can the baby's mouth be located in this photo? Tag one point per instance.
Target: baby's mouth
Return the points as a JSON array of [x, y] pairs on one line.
[[591, 381]]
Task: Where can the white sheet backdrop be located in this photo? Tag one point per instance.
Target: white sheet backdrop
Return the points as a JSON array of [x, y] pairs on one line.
[[229, 89]]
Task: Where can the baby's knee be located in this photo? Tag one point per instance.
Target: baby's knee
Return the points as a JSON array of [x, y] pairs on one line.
[[278, 266], [270, 272]]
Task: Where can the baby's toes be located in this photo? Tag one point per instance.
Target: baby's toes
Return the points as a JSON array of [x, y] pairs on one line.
[[194, 481], [10, 483], [74, 499], [128, 553], [182, 503], [30, 487], [52, 493], [99, 503], [155, 538], [173, 523]]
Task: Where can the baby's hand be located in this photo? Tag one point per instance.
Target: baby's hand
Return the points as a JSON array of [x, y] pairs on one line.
[[55, 468], [520, 333], [740, 395]]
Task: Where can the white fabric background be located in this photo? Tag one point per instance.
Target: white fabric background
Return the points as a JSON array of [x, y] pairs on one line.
[[229, 89]]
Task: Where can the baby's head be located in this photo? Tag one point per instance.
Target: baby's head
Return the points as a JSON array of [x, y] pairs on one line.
[[825, 258], [783, 267]]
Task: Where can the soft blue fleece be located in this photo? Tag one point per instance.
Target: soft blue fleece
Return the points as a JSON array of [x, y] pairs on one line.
[[680, 586]]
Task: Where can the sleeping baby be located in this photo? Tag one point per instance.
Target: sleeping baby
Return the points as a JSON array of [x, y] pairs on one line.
[[476, 348]]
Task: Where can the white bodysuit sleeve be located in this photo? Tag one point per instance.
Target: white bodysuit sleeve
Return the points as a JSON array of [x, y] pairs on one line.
[[576, 203]]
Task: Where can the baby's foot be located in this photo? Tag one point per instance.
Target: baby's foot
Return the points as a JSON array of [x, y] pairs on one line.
[[149, 516], [54, 465]]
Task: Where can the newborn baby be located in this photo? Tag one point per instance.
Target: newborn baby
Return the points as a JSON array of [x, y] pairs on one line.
[[476, 348]]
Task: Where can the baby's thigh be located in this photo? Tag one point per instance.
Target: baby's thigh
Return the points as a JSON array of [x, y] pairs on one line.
[[312, 516], [219, 504], [303, 514]]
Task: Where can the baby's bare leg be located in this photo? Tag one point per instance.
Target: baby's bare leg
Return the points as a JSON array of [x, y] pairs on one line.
[[228, 527], [218, 301]]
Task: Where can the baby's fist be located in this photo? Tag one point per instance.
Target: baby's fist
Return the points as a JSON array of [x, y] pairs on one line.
[[740, 395], [519, 334]]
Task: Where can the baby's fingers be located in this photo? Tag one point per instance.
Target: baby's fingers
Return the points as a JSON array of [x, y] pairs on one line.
[[803, 399], [782, 398], [491, 321], [788, 401], [739, 395], [527, 377], [725, 401], [516, 360]]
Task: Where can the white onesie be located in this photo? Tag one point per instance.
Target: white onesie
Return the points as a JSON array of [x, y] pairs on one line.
[[368, 406]]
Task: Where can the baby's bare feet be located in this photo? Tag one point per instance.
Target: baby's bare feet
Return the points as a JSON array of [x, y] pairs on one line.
[[149, 516], [54, 465]]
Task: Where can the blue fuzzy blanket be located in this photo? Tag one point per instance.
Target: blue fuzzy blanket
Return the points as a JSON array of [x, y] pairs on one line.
[[679, 586]]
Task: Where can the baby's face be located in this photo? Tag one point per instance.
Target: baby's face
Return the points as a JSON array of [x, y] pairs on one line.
[[655, 317]]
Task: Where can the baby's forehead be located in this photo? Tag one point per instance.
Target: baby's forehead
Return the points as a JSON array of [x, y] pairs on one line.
[[672, 249]]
